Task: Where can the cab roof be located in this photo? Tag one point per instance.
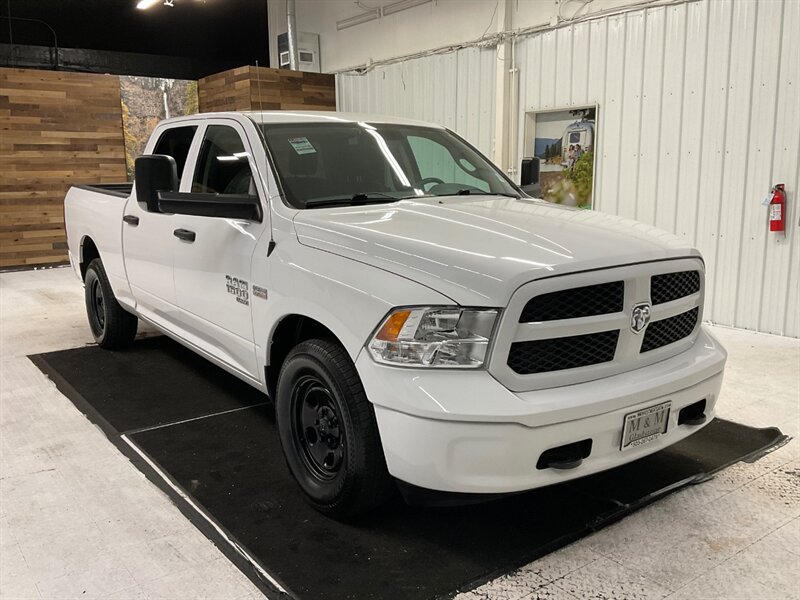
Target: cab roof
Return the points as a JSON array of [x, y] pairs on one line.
[[308, 116]]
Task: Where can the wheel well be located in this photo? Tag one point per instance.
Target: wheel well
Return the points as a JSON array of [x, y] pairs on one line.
[[292, 330], [88, 253]]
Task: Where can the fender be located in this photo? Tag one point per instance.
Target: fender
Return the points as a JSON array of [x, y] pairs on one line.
[[348, 297]]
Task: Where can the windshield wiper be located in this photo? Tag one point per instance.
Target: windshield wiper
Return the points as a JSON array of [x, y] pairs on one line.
[[469, 192], [356, 199]]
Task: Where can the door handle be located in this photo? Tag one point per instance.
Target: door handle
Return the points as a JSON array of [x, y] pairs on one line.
[[185, 235], [131, 220]]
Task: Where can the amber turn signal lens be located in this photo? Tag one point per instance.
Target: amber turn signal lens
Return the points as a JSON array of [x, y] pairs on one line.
[[391, 328]]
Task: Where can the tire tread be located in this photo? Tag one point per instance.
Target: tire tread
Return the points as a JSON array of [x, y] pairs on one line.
[[120, 325]]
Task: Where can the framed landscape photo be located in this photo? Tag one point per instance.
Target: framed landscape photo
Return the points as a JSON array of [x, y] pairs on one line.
[[564, 140]]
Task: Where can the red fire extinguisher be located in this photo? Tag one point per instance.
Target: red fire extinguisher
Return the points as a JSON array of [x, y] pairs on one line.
[[777, 208]]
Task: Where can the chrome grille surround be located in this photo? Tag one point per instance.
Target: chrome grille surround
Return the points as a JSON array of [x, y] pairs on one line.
[[628, 355]]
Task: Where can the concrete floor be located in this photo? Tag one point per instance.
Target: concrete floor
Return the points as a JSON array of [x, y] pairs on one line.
[[78, 520]]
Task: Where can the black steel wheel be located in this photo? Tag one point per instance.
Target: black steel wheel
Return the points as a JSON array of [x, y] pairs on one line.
[[317, 431], [328, 431], [96, 307], [112, 327]]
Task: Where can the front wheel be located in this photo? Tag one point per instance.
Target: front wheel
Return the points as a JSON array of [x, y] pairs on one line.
[[112, 326], [328, 431]]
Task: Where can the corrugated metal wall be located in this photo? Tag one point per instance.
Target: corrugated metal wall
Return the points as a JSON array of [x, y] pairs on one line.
[[699, 113], [455, 89]]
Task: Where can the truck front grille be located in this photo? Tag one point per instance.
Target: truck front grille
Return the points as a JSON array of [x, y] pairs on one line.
[[573, 328], [579, 302], [668, 331], [671, 286], [557, 354]]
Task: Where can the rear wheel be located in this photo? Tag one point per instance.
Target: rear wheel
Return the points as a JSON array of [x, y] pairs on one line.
[[328, 431], [112, 326]]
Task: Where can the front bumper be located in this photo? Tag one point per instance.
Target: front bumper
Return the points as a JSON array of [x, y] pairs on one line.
[[462, 431]]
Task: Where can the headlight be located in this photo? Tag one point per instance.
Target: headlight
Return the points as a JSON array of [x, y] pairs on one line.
[[434, 337]]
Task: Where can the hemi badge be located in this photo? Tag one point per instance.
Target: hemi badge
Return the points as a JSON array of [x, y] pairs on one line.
[[260, 292]]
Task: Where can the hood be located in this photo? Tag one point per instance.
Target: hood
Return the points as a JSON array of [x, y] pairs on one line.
[[478, 250]]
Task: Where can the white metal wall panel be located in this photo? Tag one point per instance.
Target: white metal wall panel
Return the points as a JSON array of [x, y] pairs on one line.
[[548, 73], [760, 157], [581, 59], [780, 300], [691, 147], [653, 142], [711, 160], [663, 211], [528, 78], [475, 96], [563, 64], [455, 90], [631, 105], [598, 48], [735, 165], [699, 115], [606, 194]]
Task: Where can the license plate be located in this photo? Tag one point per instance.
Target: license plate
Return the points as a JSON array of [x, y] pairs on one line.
[[644, 426]]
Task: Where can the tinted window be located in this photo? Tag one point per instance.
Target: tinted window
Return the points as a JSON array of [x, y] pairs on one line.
[[222, 167], [318, 162], [175, 142]]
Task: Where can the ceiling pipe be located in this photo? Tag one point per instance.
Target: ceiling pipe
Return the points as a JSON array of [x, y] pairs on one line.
[[291, 34], [45, 23]]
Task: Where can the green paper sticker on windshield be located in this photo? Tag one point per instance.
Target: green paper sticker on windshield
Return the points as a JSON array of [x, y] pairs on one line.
[[301, 145]]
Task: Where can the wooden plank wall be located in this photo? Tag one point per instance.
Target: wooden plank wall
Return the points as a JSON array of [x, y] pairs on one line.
[[57, 129], [257, 88]]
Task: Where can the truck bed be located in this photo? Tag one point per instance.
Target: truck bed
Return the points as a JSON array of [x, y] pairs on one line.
[[123, 190], [94, 212]]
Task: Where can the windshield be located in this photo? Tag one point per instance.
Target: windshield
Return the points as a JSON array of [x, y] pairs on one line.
[[323, 164]]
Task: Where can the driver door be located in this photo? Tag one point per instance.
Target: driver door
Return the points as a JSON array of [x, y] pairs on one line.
[[212, 255]]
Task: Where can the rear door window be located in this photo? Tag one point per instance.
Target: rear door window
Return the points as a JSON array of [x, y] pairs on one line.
[[175, 142]]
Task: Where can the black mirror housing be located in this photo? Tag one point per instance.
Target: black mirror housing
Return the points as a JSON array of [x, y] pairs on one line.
[[154, 173], [225, 206], [529, 171]]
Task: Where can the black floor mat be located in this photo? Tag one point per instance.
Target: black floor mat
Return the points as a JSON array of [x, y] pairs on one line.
[[215, 438]]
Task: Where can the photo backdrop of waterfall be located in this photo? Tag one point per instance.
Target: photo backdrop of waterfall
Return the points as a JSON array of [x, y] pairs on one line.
[[145, 102]]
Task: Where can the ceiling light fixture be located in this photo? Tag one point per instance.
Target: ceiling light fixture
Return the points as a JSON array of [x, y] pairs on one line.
[[364, 17], [145, 4], [371, 14], [396, 7]]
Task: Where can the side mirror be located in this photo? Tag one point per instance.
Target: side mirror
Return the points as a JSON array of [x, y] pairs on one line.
[[154, 173], [226, 206], [529, 177], [529, 172]]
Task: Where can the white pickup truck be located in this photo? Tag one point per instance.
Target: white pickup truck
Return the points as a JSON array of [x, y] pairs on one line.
[[418, 320]]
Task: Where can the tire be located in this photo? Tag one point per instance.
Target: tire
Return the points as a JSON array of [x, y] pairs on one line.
[[111, 325], [328, 431]]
